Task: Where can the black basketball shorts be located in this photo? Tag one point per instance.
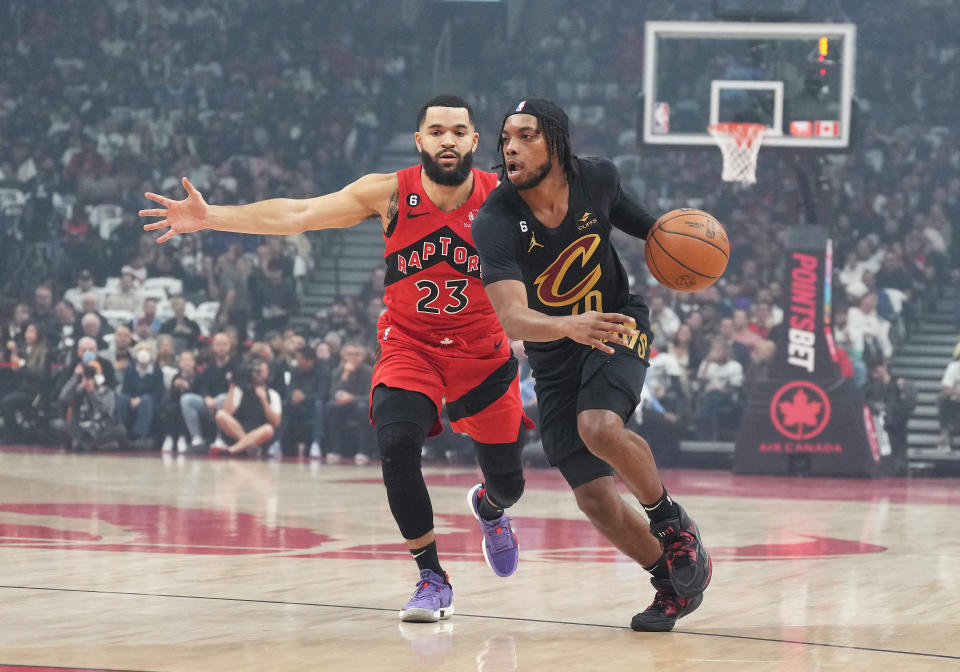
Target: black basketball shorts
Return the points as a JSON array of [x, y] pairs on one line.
[[574, 378]]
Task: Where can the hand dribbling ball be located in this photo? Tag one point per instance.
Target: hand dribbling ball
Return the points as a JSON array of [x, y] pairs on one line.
[[687, 250]]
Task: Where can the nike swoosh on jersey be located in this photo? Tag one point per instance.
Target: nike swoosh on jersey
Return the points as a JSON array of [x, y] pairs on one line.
[[411, 215]]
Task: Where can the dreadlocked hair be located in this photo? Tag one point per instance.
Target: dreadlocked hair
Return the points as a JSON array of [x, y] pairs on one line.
[[558, 145]]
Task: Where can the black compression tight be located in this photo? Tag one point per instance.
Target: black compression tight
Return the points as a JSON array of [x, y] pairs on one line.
[[402, 420]]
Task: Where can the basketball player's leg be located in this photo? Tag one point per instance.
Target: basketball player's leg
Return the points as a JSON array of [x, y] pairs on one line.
[[606, 400], [502, 487], [502, 467], [590, 478], [402, 419], [592, 482], [593, 485], [483, 401]]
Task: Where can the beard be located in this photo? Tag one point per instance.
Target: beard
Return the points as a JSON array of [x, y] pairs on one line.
[[447, 177], [536, 178]]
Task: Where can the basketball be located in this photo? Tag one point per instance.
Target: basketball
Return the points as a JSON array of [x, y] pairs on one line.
[[687, 250]]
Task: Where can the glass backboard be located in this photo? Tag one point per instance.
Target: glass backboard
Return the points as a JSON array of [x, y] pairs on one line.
[[795, 78]]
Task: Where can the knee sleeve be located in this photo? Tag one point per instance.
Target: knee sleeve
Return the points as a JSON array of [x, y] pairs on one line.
[[399, 444], [502, 467], [505, 490]]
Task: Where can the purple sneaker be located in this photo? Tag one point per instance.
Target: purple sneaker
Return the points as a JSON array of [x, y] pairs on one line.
[[500, 547], [432, 601]]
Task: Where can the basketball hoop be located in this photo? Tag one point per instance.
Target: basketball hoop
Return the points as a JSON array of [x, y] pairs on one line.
[[740, 145]]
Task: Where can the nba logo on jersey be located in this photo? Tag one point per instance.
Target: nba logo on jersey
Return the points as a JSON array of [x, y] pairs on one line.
[[661, 118], [521, 106]]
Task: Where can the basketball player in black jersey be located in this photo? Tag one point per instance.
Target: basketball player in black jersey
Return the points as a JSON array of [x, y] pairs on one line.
[[551, 273]]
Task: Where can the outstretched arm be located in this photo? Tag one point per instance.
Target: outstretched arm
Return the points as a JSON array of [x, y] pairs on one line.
[[509, 299], [371, 195]]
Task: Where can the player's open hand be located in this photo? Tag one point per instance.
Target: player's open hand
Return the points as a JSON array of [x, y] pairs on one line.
[[593, 329], [184, 216]]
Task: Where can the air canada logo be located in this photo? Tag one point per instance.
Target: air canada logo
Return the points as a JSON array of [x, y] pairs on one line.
[[550, 282], [800, 410]]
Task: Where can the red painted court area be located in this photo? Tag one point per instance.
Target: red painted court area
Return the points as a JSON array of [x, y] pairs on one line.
[[146, 528], [715, 483]]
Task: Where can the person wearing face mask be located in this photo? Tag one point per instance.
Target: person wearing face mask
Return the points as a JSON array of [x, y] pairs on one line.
[[140, 395], [90, 422], [86, 353]]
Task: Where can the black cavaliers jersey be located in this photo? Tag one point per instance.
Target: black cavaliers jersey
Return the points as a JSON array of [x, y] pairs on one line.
[[574, 267]]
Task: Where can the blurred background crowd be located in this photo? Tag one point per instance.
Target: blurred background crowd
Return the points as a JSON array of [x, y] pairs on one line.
[[110, 339]]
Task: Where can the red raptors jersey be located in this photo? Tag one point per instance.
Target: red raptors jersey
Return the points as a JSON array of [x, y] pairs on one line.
[[432, 287]]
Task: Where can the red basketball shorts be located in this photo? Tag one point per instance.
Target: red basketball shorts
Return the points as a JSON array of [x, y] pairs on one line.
[[478, 379]]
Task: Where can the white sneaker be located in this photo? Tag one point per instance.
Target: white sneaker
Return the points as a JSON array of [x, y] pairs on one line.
[[360, 459], [167, 446], [196, 442], [333, 458], [315, 450], [275, 450], [218, 444], [182, 445]]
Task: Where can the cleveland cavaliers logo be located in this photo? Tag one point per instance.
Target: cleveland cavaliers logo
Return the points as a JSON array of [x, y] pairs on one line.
[[549, 282]]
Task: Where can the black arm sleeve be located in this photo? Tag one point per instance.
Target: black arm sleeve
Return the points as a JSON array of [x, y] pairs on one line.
[[496, 242], [625, 213], [630, 218]]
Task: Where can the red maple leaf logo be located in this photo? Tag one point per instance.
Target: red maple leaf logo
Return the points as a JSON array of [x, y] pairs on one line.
[[800, 410]]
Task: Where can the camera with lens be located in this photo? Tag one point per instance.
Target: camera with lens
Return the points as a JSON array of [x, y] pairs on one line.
[[89, 371]]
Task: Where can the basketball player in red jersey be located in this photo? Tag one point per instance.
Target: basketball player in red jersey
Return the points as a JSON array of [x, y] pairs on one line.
[[439, 336]]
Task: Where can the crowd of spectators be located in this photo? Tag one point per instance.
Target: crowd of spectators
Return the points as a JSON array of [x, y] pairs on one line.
[[253, 100], [147, 382]]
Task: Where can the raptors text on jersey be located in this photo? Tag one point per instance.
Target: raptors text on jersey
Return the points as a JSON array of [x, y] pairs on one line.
[[432, 287]]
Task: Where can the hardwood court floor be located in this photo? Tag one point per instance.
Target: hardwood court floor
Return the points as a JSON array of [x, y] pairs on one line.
[[111, 562]]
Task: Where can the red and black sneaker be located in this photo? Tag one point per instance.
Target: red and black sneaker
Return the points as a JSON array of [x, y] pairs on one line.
[[666, 608], [688, 561]]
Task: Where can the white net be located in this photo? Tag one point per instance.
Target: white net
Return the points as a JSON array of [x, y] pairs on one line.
[[740, 145]]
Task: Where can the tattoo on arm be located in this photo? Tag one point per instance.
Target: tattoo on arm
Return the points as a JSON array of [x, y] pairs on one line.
[[394, 207]]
